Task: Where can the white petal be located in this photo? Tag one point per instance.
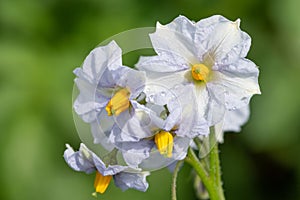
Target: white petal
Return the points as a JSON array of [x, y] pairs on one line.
[[234, 119], [165, 62], [190, 120], [240, 82], [163, 82], [100, 58], [242, 68], [176, 38], [219, 132], [222, 39], [210, 103], [215, 109]]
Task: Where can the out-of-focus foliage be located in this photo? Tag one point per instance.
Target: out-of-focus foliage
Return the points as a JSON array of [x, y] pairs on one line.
[[41, 42]]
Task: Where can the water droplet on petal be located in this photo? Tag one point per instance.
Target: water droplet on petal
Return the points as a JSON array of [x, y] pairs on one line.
[[226, 59], [226, 103], [150, 99], [176, 86], [244, 99], [147, 90]]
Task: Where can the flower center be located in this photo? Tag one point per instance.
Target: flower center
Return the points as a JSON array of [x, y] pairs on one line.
[[118, 103], [164, 143], [101, 182], [200, 72]]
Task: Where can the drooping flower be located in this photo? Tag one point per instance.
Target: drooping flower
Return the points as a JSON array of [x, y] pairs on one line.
[[210, 55], [106, 88], [87, 161], [150, 135]]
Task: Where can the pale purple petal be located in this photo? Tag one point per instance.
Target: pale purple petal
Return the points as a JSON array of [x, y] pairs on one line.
[[94, 73], [117, 135], [142, 123], [129, 78], [100, 58], [90, 156], [126, 180], [108, 170], [135, 152], [77, 161], [87, 161], [172, 166], [101, 133], [180, 147], [102, 126], [89, 101]]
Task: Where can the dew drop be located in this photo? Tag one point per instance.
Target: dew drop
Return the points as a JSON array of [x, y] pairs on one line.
[[176, 86], [244, 99], [226, 103], [147, 90], [163, 93], [226, 59], [150, 99]]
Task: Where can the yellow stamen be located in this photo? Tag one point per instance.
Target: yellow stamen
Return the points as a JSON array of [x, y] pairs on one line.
[[200, 72], [118, 103], [164, 143], [101, 182]]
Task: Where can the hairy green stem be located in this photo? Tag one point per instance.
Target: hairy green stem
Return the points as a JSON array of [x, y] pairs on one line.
[[199, 168], [174, 178], [209, 172], [214, 168], [213, 155]]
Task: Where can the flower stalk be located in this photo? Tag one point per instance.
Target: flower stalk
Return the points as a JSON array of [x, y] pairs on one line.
[[174, 179], [215, 167], [212, 179]]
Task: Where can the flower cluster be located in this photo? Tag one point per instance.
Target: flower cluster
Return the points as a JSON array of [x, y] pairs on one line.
[[149, 115]]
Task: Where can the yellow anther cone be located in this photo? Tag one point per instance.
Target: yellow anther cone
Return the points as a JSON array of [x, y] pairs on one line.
[[200, 72], [164, 143], [118, 103], [101, 182]]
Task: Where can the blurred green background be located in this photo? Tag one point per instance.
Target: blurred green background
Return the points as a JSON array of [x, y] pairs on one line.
[[42, 41]]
